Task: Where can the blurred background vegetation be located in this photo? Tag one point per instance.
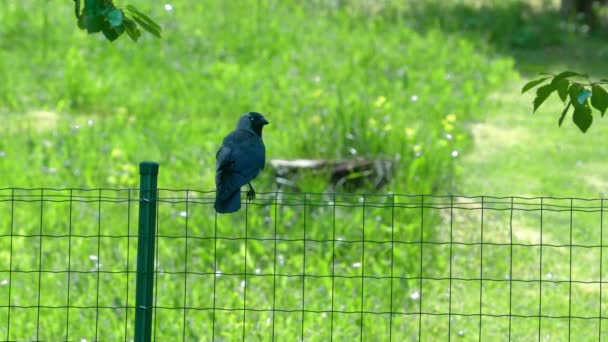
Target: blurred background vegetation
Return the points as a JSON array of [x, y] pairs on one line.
[[433, 86], [404, 81]]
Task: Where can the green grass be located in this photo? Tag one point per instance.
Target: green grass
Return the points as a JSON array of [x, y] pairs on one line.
[[335, 81], [520, 153], [337, 86]]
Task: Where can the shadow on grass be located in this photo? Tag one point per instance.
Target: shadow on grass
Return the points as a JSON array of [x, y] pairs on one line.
[[538, 38]]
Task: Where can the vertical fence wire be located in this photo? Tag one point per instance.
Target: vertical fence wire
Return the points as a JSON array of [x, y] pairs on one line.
[[333, 264], [303, 320], [97, 268], [540, 275], [362, 303], [186, 249], [601, 267], [511, 269], [244, 282], [40, 248], [127, 270], [450, 291], [391, 309], [421, 268], [67, 309], [40, 232], [570, 274], [215, 275], [274, 264], [10, 266], [481, 271], [155, 263]]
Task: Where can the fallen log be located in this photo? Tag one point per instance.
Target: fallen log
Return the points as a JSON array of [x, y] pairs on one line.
[[349, 174]]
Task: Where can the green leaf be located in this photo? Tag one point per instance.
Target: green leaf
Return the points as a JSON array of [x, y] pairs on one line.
[[132, 30], [112, 32], [143, 17], [564, 112], [542, 94], [533, 84], [91, 5], [93, 23], [599, 99], [147, 27], [94, 7], [582, 117], [583, 95], [573, 91], [115, 17], [562, 89], [564, 75]]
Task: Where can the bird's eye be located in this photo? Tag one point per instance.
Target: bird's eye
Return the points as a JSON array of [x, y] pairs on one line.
[[251, 118]]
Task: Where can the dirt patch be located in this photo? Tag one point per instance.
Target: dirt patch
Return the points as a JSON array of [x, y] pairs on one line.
[[490, 139], [37, 120]]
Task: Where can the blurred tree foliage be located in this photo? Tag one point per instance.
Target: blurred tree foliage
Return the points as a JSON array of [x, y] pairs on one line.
[[103, 16], [588, 10], [580, 95]]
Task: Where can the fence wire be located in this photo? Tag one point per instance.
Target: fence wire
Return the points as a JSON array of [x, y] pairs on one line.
[[304, 266]]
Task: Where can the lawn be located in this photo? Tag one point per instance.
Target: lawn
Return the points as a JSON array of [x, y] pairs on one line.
[[336, 80]]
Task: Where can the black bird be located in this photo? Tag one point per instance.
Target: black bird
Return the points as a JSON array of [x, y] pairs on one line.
[[239, 160]]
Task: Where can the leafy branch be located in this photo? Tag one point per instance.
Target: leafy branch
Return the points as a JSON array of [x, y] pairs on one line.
[[581, 96], [103, 16]]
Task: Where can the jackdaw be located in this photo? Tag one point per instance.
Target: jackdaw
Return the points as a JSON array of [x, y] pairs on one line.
[[239, 160]]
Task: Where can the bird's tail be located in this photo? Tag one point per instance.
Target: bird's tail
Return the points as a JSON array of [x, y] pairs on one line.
[[228, 204]]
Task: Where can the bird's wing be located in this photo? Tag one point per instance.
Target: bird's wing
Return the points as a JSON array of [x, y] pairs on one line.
[[227, 178], [223, 159], [263, 149]]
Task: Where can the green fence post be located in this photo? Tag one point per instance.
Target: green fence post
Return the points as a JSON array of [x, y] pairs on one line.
[[148, 172]]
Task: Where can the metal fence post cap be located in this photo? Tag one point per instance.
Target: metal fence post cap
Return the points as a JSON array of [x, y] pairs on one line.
[[148, 168]]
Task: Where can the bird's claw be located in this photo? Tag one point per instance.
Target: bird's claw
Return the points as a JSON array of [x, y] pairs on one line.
[[250, 195]]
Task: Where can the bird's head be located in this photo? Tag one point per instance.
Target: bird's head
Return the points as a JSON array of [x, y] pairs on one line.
[[253, 121]]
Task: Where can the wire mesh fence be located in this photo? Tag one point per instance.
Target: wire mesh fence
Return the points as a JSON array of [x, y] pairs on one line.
[[304, 266], [67, 263]]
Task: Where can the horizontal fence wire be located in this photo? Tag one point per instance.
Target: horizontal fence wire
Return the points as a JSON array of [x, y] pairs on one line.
[[304, 266]]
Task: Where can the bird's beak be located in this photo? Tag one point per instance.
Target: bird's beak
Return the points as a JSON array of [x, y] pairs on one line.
[[265, 122]]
